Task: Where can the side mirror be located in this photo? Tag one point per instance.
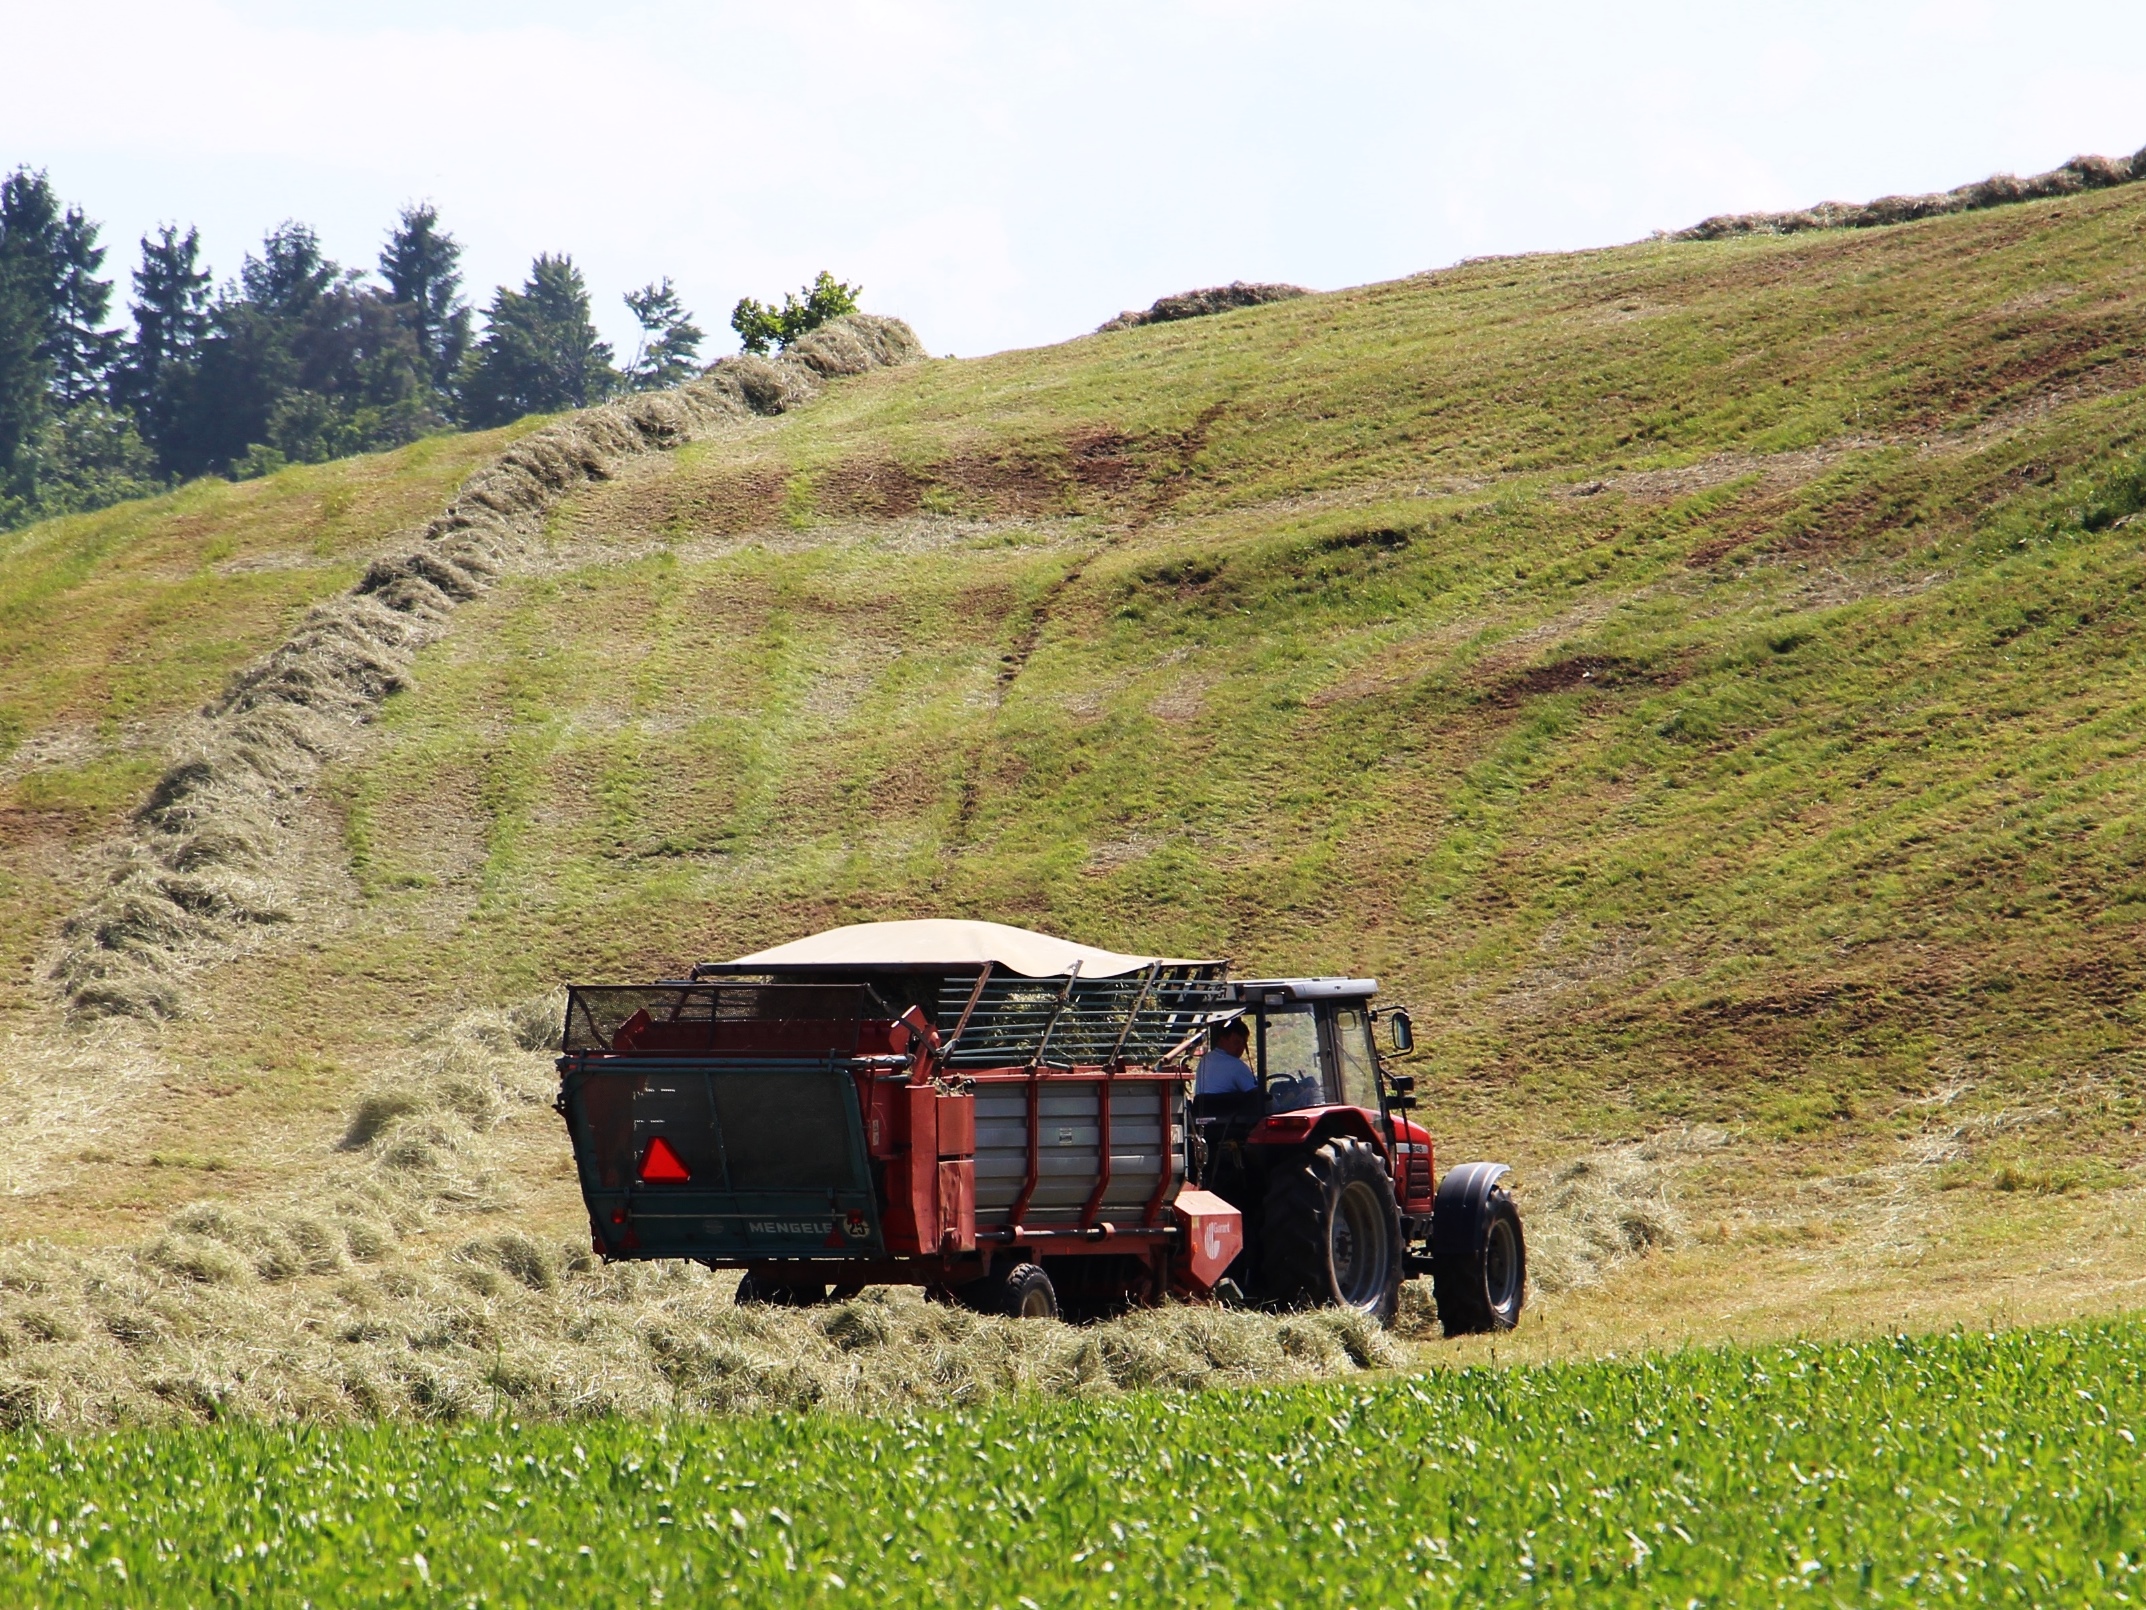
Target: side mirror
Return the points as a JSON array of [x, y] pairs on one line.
[[1404, 1032]]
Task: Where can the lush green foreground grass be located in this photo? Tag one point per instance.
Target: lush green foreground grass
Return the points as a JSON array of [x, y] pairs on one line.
[[1966, 1468]]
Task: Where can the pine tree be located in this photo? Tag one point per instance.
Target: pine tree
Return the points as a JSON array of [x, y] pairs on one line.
[[291, 274], [82, 350], [669, 349], [540, 352], [55, 257], [422, 266], [24, 406], [171, 315]]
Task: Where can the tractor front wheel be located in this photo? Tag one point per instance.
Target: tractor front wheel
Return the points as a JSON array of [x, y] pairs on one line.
[[1330, 1232], [1479, 1258]]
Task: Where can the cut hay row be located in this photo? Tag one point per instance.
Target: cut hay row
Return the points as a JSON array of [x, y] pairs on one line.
[[1200, 304], [194, 870], [397, 1285], [2077, 176]]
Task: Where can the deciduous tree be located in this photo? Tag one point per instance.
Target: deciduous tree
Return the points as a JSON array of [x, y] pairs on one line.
[[759, 325]]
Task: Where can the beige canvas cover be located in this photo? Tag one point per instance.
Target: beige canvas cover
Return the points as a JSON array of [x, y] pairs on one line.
[[952, 942]]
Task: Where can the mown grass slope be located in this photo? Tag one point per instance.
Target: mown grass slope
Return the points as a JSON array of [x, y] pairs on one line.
[[115, 626], [1701, 678]]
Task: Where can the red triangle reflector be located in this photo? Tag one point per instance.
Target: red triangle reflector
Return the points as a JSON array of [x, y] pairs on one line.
[[661, 1165]]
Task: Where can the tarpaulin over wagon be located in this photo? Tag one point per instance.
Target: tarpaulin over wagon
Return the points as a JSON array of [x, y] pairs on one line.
[[951, 942]]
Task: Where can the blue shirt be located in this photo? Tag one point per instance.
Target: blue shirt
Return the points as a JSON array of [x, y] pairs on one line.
[[1223, 1075]]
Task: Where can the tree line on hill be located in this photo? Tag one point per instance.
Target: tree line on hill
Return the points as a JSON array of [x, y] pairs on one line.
[[297, 360]]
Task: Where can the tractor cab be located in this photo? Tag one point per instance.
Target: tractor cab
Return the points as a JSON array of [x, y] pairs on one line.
[[1311, 1042]]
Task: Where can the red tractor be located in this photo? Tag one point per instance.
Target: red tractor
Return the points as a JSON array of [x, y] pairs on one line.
[[1005, 1118]]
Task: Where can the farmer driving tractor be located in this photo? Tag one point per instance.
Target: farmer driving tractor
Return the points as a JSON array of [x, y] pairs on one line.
[[1223, 1070]]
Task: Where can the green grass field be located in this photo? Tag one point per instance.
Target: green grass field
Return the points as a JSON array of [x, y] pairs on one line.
[[1957, 1469]]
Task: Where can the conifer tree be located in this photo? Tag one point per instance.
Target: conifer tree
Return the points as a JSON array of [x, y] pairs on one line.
[[23, 404], [55, 257], [422, 266], [668, 353], [171, 315], [539, 353], [291, 274], [55, 354]]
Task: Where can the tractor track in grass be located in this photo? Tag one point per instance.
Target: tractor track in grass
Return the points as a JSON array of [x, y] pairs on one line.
[[1188, 446]]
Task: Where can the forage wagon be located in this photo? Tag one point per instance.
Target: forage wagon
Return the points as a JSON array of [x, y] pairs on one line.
[[1010, 1120]]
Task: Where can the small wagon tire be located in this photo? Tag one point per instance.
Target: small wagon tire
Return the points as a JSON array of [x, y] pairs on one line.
[[1330, 1233], [1479, 1260], [1012, 1291], [754, 1292], [1026, 1292]]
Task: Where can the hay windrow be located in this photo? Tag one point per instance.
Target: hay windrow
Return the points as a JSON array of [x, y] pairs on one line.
[[1605, 1208], [194, 872], [1199, 304], [2000, 190]]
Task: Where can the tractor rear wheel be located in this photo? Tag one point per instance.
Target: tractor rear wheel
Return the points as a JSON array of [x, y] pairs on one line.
[[1330, 1232]]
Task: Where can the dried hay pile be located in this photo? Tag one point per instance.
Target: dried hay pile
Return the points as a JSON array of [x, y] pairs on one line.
[[194, 872], [2001, 190], [1198, 304], [1600, 1210], [400, 1287]]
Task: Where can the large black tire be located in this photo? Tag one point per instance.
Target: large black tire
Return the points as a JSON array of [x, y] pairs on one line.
[[1479, 1261], [1330, 1232], [755, 1292]]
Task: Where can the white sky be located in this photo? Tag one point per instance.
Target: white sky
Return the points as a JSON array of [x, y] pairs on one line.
[[1007, 172]]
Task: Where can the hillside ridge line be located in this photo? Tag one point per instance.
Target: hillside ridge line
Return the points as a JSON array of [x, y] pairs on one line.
[[2075, 177]]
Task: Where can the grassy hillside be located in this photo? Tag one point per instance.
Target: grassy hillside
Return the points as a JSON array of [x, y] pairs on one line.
[[1701, 678], [115, 626]]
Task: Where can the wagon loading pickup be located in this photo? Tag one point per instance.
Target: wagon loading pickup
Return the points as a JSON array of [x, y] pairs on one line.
[[1007, 1119]]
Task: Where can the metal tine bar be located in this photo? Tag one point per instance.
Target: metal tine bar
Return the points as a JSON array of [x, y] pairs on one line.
[[983, 978], [1097, 1020], [1043, 1045], [1117, 1049]]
